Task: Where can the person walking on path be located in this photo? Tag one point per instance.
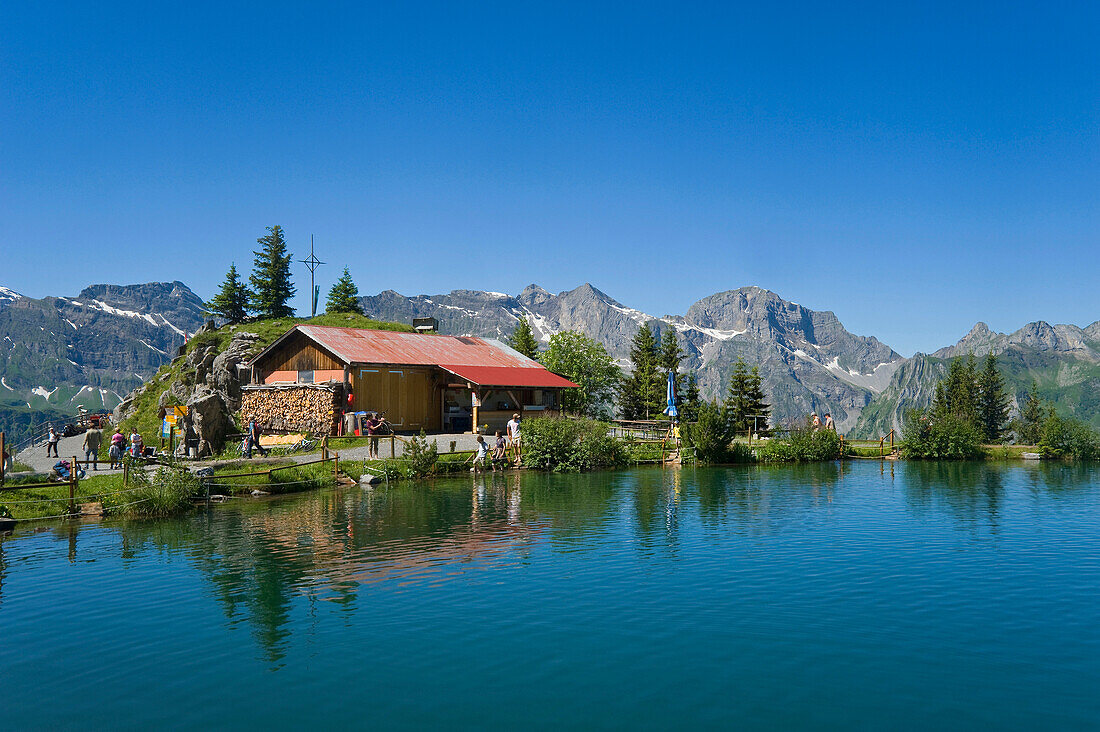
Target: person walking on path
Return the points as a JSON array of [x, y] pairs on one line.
[[51, 442], [514, 438], [93, 438], [253, 441], [118, 444]]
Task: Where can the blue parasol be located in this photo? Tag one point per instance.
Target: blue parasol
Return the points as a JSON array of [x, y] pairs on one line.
[[671, 410]]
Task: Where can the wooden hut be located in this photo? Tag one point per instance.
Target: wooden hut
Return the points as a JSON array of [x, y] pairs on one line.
[[420, 380]]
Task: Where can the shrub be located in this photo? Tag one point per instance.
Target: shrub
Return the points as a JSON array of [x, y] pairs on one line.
[[420, 455], [1068, 438], [711, 436], [948, 437], [564, 445], [802, 445]]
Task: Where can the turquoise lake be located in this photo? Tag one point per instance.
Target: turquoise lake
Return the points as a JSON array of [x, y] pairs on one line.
[[863, 595]]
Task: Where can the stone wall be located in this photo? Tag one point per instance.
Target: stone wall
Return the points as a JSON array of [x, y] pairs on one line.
[[313, 408]]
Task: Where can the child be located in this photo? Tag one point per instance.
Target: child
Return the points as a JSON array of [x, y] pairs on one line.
[[500, 452], [118, 444], [478, 458]]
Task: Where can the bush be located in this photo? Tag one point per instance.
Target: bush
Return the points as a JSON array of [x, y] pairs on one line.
[[421, 456], [711, 437], [570, 445], [949, 437], [1068, 438], [802, 445]]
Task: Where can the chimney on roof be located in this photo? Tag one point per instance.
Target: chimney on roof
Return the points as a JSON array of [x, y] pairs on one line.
[[425, 325]]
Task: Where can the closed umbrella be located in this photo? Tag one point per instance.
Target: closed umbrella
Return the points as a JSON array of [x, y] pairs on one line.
[[671, 410]]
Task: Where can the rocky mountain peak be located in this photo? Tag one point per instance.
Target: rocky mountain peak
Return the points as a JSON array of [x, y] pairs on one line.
[[533, 295]]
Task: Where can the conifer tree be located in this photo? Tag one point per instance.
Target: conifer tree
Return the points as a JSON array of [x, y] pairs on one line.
[[669, 357], [957, 394], [641, 394], [691, 401], [759, 410], [231, 302], [344, 296], [993, 402], [1032, 417], [270, 278], [738, 406], [523, 339]]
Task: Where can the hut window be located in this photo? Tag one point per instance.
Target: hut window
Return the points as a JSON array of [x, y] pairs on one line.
[[305, 377]]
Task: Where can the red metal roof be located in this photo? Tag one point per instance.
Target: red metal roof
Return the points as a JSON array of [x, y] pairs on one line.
[[359, 345], [537, 378]]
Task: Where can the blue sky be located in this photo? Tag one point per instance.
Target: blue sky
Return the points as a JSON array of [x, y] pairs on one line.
[[914, 169]]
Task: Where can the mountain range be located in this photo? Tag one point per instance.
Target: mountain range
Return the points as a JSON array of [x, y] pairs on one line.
[[92, 349]]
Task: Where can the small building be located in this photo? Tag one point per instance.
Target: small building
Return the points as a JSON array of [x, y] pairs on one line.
[[420, 380]]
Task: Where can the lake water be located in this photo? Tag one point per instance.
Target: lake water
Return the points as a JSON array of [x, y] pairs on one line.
[[863, 594]]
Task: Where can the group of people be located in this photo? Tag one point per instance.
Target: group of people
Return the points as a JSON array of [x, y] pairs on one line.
[[816, 423], [500, 459], [93, 440]]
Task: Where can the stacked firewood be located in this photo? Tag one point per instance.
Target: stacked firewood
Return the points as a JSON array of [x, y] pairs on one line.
[[293, 408]]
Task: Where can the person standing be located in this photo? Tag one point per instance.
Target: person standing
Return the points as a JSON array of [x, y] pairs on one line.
[[137, 445], [93, 438], [514, 438], [373, 424], [478, 458], [118, 444], [51, 442], [815, 423], [829, 423]]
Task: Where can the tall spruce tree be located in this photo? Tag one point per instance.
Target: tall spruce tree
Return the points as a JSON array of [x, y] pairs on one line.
[[957, 394], [231, 302], [523, 339], [344, 296], [1032, 417], [270, 278], [738, 405], [691, 401], [640, 396], [993, 401], [759, 410]]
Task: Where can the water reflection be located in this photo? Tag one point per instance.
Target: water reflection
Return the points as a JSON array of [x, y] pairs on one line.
[[263, 559]]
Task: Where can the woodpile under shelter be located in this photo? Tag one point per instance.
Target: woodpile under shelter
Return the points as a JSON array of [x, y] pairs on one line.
[[420, 380]]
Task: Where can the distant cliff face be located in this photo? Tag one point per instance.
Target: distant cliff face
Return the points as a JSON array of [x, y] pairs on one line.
[[808, 360], [91, 349]]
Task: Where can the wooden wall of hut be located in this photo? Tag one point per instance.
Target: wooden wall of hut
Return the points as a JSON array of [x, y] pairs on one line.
[[411, 396]]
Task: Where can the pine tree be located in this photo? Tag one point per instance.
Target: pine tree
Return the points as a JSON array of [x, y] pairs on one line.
[[691, 401], [957, 394], [993, 401], [344, 296], [738, 404], [231, 302], [523, 339], [759, 410], [270, 278], [641, 394], [1032, 417]]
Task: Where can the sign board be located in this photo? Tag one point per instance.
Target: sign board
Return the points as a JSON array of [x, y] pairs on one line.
[[475, 399], [179, 412], [166, 428]]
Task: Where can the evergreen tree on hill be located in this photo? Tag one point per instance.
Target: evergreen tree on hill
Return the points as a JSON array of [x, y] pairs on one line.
[[231, 302], [759, 410], [738, 406], [957, 394], [993, 401], [344, 296], [523, 339], [270, 278]]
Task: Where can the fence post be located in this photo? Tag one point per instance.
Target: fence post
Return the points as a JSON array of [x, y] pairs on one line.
[[125, 472], [393, 447], [3, 454], [336, 468], [72, 485], [324, 447]]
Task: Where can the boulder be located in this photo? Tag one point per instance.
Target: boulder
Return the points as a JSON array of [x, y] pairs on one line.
[[209, 417]]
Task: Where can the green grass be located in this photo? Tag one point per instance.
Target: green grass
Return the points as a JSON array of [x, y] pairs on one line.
[[18, 467], [1007, 452], [145, 419]]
